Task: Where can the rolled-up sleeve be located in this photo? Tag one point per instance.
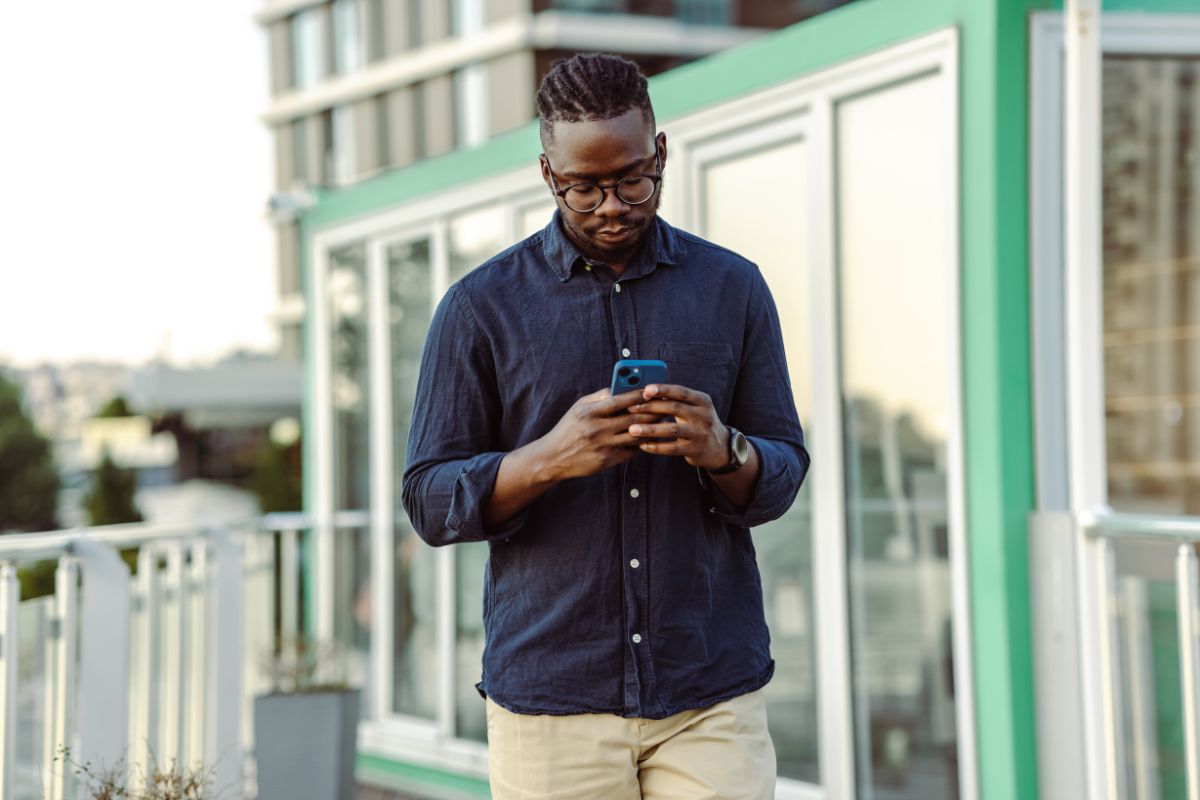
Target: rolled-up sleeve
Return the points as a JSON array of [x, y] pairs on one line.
[[451, 461], [764, 410]]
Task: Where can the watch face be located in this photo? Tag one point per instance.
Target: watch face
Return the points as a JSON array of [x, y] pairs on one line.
[[740, 446]]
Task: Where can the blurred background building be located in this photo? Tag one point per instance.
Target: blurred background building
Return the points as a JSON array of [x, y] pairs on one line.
[[363, 86]]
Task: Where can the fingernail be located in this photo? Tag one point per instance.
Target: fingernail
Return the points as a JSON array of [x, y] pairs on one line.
[[635, 429], [652, 389]]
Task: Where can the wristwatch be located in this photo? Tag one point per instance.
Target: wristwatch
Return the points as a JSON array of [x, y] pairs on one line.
[[739, 453]]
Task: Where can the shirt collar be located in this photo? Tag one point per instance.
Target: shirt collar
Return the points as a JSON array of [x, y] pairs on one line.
[[563, 256]]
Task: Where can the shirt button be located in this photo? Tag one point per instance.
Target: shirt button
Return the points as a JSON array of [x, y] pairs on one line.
[[634, 493], [633, 562], [625, 352], [617, 288], [637, 638], [588, 267]]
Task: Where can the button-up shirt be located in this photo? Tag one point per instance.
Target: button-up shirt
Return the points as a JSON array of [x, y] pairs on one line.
[[634, 591]]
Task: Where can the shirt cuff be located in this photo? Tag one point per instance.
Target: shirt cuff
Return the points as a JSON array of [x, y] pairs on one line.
[[773, 490], [472, 490]]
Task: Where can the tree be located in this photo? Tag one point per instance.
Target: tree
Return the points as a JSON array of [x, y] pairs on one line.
[[276, 481], [29, 482], [111, 500], [116, 407]]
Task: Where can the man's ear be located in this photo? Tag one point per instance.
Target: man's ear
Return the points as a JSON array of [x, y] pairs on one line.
[[544, 163], [660, 145]]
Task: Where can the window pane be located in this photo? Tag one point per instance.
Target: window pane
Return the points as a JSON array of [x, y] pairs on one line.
[[772, 232], [350, 387], [1151, 205], [341, 162], [532, 219], [308, 50], [475, 237], [415, 582], [347, 36], [894, 226], [470, 562]]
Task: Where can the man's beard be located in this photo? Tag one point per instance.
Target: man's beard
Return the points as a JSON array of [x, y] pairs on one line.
[[621, 255]]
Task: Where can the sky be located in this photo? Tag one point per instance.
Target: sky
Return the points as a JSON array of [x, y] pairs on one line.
[[134, 175]]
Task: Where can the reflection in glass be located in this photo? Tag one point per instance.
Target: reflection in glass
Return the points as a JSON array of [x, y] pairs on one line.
[[1148, 704], [470, 561], [772, 232], [894, 216], [350, 389], [415, 581], [1151, 203], [475, 237]]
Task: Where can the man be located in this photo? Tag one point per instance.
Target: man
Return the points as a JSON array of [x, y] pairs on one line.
[[625, 638]]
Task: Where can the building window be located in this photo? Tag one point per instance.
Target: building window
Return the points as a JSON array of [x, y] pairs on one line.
[[308, 48], [341, 163], [770, 231], [704, 12], [893, 230], [348, 36]]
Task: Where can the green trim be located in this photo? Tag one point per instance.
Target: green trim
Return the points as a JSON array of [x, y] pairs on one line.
[[1146, 6], [415, 777]]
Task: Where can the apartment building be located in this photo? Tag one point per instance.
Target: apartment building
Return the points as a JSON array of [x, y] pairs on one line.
[[363, 86]]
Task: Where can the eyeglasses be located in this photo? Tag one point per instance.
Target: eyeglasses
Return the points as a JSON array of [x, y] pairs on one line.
[[583, 198]]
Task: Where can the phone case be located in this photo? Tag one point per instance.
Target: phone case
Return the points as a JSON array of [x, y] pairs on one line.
[[629, 374]]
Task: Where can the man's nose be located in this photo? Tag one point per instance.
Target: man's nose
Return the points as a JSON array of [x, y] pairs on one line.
[[612, 205]]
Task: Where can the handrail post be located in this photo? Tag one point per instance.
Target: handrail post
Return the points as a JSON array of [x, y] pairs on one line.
[[225, 664], [1186, 573], [10, 598], [103, 705], [60, 677]]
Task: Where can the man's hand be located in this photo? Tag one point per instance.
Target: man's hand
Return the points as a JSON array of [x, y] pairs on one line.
[[592, 436], [697, 432]]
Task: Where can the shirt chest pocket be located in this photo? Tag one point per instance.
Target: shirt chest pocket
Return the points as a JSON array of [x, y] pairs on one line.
[[705, 366]]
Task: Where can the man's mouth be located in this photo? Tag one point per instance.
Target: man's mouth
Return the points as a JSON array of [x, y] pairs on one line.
[[615, 234]]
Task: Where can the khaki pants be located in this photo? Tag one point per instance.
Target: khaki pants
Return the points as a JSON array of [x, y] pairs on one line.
[[723, 752]]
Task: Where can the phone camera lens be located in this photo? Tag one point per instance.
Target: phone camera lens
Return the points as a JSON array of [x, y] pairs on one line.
[[635, 380], [623, 372]]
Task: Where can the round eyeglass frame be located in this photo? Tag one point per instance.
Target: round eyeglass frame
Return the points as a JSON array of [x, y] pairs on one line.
[[605, 187]]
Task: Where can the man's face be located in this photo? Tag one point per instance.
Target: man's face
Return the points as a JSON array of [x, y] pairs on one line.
[[604, 151]]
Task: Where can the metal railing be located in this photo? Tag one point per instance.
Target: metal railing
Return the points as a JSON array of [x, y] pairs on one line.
[[150, 666], [1095, 651]]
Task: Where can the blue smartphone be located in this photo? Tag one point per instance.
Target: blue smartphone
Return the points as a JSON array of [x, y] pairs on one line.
[[629, 374]]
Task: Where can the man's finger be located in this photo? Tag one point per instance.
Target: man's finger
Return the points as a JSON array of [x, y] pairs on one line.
[[661, 430], [664, 408], [611, 405], [678, 447], [673, 391]]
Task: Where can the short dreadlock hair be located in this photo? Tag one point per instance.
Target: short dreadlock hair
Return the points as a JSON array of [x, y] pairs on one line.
[[591, 86]]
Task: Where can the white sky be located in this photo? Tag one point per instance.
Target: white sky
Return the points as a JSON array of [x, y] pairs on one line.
[[134, 175]]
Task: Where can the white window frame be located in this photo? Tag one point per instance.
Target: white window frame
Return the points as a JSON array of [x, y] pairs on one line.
[[810, 103], [1066, 311]]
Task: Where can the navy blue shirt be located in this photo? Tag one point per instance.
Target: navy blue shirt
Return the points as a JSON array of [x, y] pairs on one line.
[[634, 591]]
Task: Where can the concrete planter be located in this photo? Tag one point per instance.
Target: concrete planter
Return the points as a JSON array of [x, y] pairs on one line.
[[304, 743]]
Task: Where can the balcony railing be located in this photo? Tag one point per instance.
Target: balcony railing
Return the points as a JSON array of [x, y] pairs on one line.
[[150, 666], [1118, 680]]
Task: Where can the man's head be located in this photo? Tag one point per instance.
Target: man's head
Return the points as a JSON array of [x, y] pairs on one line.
[[597, 127]]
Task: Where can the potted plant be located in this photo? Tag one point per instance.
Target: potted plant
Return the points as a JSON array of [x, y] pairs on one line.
[[305, 728]]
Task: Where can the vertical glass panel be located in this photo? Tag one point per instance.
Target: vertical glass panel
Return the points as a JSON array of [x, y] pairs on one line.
[[34, 673], [470, 563], [475, 237], [704, 12], [532, 219], [340, 151], [1149, 704], [1151, 206], [348, 37], [772, 231], [308, 48], [894, 224], [350, 387], [415, 582]]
